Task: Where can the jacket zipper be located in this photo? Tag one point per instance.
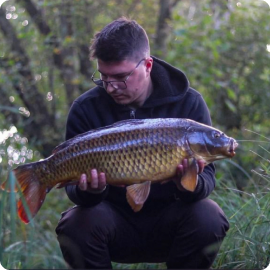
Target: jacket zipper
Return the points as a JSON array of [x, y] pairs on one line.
[[132, 114]]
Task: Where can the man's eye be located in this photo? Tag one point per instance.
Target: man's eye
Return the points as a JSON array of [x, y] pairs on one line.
[[119, 78]]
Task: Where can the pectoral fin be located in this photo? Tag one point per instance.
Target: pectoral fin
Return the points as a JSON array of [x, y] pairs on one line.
[[190, 178], [137, 195]]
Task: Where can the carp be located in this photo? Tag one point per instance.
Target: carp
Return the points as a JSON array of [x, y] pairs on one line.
[[134, 153]]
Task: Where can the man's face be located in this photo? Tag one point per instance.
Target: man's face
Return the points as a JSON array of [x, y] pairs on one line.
[[136, 76]]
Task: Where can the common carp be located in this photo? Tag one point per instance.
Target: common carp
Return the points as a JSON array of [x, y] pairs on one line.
[[134, 153]]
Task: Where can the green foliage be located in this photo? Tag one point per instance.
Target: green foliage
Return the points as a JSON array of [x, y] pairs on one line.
[[220, 45], [33, 245], [50, 66], [247, 243]]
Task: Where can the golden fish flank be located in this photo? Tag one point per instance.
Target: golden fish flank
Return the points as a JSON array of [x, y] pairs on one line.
[[129, 152], [128, 156]]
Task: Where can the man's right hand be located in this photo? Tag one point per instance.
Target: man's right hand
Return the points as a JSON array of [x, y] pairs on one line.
[[97, 185]]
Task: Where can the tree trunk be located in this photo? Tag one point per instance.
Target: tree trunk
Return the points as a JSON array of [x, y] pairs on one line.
[[63, 54], [222, 10], [163, 28], [36, 15]]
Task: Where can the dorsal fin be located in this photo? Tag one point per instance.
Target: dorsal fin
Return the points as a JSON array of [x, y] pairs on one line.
[[71, 141], [79, 137], [61, 146]]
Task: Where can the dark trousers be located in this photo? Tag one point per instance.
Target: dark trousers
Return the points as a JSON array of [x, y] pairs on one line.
[[185, 236]]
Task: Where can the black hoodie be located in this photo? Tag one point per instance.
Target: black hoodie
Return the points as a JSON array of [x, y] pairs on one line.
[[171, 98]]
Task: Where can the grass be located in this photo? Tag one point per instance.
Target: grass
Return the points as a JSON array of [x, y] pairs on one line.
[[32, 246], [247, 245]]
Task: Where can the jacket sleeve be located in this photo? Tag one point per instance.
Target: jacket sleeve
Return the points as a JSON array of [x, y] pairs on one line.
[[78, 123], [206, 180]]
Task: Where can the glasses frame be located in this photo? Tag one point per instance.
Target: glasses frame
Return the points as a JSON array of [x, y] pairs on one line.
[[106, 83]]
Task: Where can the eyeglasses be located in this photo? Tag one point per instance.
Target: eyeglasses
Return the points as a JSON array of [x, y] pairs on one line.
[[114, 84]]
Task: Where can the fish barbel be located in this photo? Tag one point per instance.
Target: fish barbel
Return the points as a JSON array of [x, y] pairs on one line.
[[134, 152]]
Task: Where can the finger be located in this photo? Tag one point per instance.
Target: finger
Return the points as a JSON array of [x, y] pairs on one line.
[[185, 165], [201, 165], [94, 179], [180, 170], [83, 182], [102, 180], [179, 173]]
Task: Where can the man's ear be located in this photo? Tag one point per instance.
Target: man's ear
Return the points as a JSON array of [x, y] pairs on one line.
[[149, 64]]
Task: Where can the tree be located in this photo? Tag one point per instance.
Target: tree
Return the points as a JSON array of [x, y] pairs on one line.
[[47, 65], [222, 46], [163, 28]]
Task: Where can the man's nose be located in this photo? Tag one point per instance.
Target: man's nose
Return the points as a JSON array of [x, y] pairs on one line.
[[110, 89]]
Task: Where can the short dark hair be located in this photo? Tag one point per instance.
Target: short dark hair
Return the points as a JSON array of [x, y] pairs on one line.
[[120, 40]]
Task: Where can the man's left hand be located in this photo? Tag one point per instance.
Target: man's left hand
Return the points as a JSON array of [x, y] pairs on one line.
[[181, 169]]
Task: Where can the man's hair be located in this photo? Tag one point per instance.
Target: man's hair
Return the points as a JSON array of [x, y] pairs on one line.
[[120, 40]]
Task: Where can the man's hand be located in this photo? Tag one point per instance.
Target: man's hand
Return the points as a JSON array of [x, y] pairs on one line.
[[97, 184], [183, 168]]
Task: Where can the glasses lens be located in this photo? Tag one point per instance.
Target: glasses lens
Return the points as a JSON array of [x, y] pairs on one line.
[[114, 84], [117, 85]]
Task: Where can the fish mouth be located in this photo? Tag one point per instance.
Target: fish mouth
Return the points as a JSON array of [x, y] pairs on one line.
[[232, 146]]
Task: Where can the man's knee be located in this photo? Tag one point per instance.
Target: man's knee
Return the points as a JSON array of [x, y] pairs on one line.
[[82, 230], [208, 225], [210, 218], [203, 221], [202, 227], [79, 221]]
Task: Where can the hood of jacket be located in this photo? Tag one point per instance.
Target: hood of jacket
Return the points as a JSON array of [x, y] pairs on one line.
[[170, 84]]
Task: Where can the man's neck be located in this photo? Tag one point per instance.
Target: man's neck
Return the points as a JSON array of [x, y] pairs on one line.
[[149, 90], [145, 96]]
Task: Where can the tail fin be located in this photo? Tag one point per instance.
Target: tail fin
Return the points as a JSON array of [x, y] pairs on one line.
[[4, 187], [33, 191]]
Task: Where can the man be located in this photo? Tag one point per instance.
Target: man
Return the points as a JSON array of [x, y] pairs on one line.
[[176, 226]]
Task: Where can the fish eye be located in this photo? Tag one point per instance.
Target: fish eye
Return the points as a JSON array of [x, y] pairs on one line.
[[217, 135]]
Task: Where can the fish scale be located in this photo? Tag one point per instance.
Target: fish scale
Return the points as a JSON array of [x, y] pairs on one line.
[[132, 152], [126, 156]]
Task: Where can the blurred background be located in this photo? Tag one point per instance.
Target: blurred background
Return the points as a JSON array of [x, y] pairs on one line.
[[223, 46]]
